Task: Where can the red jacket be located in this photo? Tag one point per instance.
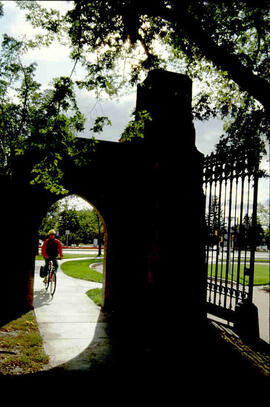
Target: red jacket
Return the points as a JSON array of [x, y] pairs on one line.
[[58, 247]]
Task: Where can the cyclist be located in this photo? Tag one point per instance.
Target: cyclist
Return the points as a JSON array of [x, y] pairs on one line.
[[51, 248]]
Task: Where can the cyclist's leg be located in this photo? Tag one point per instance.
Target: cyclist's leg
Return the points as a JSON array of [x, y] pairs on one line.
[[46, 269], [55, 263], [46, 265]]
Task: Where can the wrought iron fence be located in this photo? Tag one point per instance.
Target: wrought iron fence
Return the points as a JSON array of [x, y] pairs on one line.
[[230, 186]]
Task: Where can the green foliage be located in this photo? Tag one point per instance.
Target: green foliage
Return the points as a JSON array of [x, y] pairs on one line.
[[100, 122], [223, 45], [84, 225], [246, 235], [267, 238], [136, 126], [245, 130], [42, 124], [264, 215]]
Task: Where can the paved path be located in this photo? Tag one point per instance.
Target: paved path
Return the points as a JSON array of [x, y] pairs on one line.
[[261, 298], [69, 321]]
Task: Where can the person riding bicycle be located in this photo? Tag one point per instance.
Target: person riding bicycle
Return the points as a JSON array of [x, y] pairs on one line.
[[51, 248]]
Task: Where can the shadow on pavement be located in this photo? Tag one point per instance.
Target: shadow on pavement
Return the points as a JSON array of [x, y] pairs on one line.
[[42, 298], [175, 364]]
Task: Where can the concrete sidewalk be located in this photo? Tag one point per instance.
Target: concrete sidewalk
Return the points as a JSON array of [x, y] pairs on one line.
[[261, 298], [69, 321]]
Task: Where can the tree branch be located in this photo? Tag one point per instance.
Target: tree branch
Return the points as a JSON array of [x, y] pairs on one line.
[[258, 87]]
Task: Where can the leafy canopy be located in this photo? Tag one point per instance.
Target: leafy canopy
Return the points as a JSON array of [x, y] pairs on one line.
[[222, 45], [40, 123]]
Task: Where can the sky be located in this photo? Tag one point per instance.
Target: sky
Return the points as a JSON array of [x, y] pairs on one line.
[[54, 61]]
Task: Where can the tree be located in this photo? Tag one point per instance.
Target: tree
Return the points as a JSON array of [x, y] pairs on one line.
[[97, 228], [43, 124], [264, 220], [85, 232], [84, 225], [264, 215], [69, 220], [247, 235], [50, 221], [215, 222], [267, 238], [14, 77], [225, 45]]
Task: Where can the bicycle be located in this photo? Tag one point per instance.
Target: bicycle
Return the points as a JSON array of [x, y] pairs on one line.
[[50, 279]]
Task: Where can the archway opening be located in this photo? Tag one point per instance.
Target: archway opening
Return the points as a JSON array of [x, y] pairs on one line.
[[67, 319]]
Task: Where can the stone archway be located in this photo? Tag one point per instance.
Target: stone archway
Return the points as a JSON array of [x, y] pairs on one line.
[[136, 187], [78, 203]]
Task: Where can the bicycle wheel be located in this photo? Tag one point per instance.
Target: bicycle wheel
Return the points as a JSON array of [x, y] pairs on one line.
[[53, 283], [47, 282]]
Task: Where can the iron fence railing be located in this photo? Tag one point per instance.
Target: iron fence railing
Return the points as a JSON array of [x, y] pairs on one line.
[[230, 185]]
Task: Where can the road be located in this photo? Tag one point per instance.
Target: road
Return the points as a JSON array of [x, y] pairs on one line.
[[258, 255], [83, 252]]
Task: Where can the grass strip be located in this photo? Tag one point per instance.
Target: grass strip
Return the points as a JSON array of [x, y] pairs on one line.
[[95, 294], [21, 349]]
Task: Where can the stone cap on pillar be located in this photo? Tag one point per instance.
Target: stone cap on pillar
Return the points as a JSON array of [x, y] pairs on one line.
[[167, 97]]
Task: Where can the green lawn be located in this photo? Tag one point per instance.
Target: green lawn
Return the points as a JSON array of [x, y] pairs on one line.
[[261, 273], [81, 269]]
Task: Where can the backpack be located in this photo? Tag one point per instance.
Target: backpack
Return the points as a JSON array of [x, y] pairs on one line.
[[43, 271], [52, 248]]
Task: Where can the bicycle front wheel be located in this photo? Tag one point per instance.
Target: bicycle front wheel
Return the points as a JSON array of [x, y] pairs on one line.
[[47, 281], [53, 284], [49, 274]]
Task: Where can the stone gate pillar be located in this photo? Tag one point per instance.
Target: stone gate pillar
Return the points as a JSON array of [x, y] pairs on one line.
[[174, 204]]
